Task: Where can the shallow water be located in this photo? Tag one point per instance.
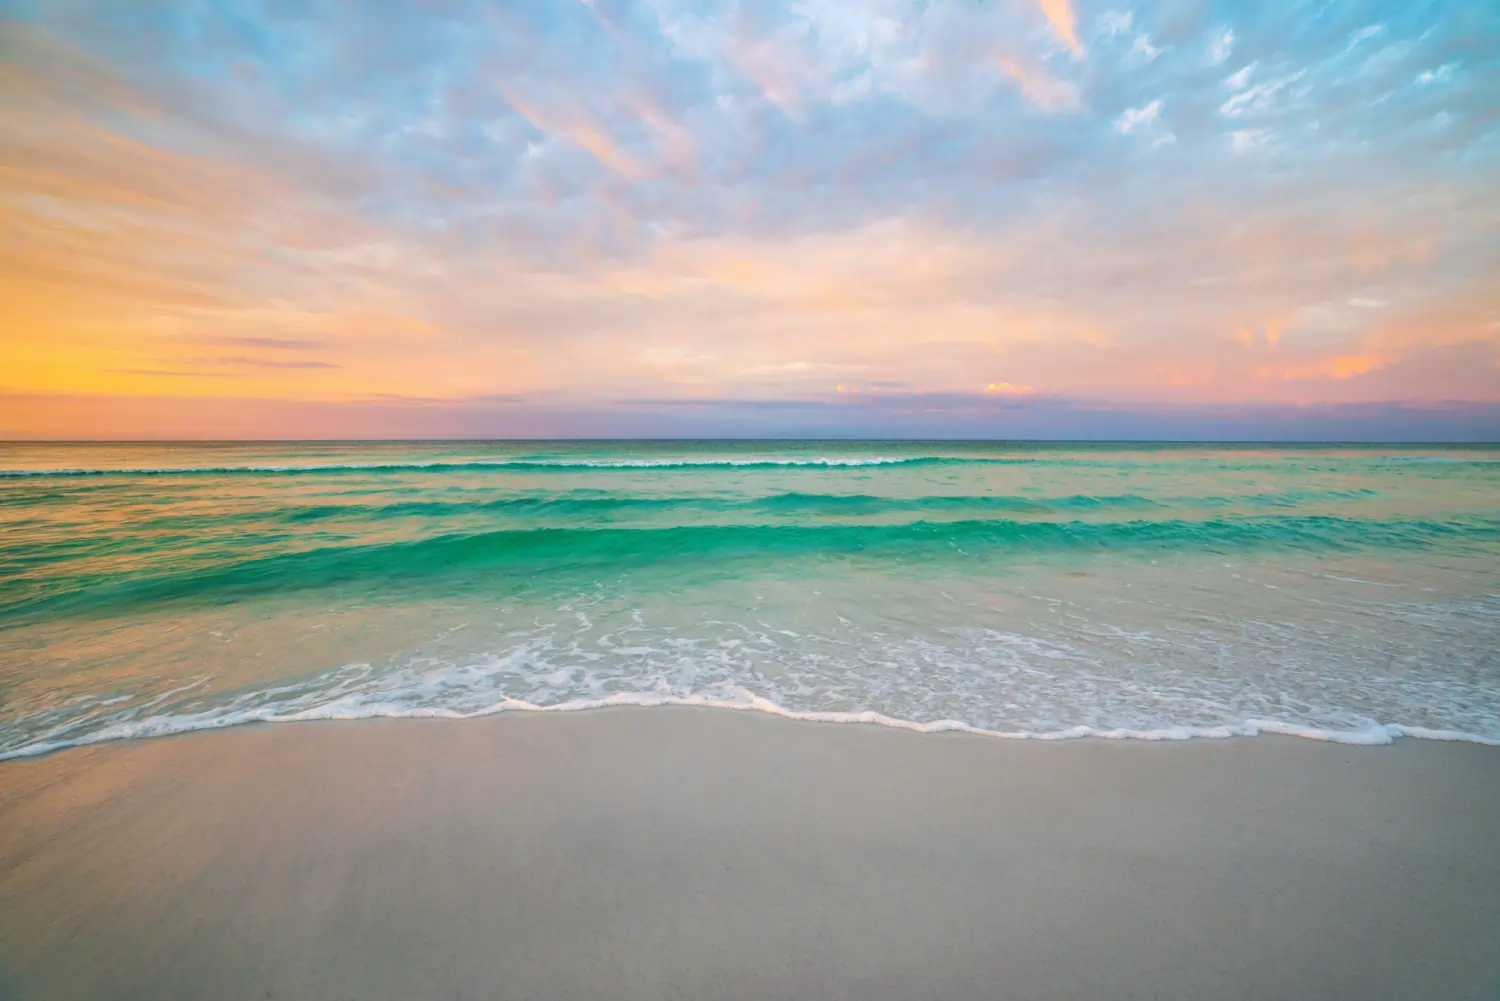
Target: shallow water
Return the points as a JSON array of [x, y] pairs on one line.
[[1345, 592]]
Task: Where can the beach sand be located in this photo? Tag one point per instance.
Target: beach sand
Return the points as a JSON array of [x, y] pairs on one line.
[[703, 854]]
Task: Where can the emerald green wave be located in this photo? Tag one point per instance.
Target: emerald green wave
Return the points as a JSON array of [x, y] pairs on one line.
[[37, 583]]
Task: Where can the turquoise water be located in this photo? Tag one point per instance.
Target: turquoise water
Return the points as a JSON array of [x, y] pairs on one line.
[[1343, 592]]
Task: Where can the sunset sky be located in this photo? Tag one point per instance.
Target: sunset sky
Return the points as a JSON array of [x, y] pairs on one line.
[[868, 217]]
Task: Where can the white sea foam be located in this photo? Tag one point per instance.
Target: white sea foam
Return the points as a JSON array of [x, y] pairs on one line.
[[518, 463], [172, 725], [1009, 657]]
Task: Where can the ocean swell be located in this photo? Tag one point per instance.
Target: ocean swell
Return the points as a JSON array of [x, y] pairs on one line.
[[37, 583]]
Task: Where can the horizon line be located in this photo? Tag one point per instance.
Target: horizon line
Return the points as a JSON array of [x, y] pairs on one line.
[[1395, 442]]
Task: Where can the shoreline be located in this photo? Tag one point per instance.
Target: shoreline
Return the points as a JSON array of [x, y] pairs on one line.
[[1376, 735], [668, 853]]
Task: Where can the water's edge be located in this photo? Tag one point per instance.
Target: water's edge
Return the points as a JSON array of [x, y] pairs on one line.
[[1376, 735]]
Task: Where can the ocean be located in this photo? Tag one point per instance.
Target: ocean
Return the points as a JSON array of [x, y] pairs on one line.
[[1036, 590]]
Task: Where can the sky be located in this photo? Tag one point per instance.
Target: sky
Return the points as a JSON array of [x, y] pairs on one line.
[[695, 218]]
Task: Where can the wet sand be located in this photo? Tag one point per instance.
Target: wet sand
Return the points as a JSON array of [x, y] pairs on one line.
[[700, 854]]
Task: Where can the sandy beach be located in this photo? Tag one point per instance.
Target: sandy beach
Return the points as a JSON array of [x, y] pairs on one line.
[[681, 853]]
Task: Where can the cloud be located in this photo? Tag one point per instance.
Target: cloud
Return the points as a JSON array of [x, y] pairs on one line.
[[1343, 366], [1116, 22], [1059, 14], [1138, 119], [1257, 98], [1221, 46], [581, 132], [1046, 92], [887, 416], [263, 362], [178, 373], [279, 343], [1442, 74], [773, 63], [1246, 140], [1142, 49], [1240, 79], [1363, 35]]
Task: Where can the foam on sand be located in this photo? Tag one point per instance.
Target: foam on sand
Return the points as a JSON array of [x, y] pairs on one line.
[[360, 708]]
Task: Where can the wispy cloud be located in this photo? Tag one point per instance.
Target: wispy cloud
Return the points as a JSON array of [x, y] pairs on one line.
[[1059, 14], [233, 362], [1137, 119], [1044, 91], [277, 343], [1221, 45]]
